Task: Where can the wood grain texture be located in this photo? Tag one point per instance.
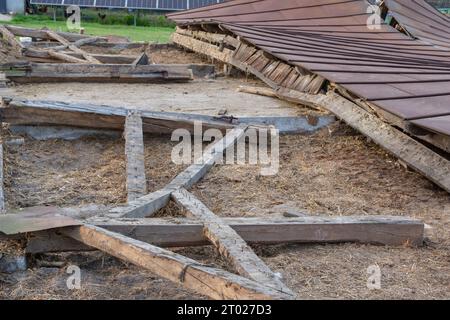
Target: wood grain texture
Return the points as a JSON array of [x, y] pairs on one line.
[[134, 152], [212, 282], [230, 245]]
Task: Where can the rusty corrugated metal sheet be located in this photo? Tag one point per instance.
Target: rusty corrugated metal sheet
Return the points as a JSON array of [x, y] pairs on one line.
[[407, 77]]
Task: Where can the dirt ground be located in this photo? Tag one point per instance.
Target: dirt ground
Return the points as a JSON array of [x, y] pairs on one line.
[[332, 172]]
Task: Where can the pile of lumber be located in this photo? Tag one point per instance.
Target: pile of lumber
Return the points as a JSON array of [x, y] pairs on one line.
[[60, 57]]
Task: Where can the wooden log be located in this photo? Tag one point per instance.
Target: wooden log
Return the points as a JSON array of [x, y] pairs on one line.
[[134, 151], [230, 245], [212, 282], [72, 47], [181, 232]]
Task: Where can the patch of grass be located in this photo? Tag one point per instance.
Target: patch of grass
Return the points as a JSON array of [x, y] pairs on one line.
[[148, 34]]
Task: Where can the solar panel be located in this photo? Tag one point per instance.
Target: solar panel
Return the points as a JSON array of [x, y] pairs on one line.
[[111, 3], [53, 2], [142, 4], [168, 5], [81, 3]]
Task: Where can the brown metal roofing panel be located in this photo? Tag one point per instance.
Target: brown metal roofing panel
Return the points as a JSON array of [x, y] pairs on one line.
[[404, 76], [421, 20], [438, 124]]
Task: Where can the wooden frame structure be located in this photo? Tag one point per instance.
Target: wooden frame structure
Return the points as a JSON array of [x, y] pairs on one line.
[[126, 232]]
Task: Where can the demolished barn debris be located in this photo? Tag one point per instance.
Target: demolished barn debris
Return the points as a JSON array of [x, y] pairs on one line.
[[306, 49]]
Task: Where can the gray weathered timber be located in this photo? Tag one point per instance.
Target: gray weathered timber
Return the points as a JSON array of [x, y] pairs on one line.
[[144, 206], [212, 282], [43, 34], [72, 72], [229, 243], [27, 112], [134, 151], [176, 232]]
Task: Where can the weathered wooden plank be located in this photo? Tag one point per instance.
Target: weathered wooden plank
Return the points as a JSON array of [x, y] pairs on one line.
[[144, 206], [49, 72], [65, 42], [65, 57], [229, 243], [202, 47], [42, 34], [45, 56], [377, 230], [134, 151], [211, 155], [27, 112], [212, 282]]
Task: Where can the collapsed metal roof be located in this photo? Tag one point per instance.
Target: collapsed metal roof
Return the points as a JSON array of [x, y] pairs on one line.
[[406, 75]]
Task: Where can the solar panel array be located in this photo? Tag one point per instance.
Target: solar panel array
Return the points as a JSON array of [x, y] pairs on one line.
[[168, 5]]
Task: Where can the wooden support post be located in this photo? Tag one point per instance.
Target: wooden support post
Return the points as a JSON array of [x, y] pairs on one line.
[[212, 282], [134, 151], [72, 47], [229, 243]]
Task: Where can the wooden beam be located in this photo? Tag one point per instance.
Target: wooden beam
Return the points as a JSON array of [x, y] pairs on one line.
[[72, 47], [42, 34], [78, 43], [181, 232], [144, 206], [49, 72], [44, 56], [212, 282], [65, 57], [11, 39], [28, 112], [229, 243], [134, 151]]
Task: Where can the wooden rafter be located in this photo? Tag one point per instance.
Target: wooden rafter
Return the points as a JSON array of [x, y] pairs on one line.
[[209, 281], [229, 243]]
